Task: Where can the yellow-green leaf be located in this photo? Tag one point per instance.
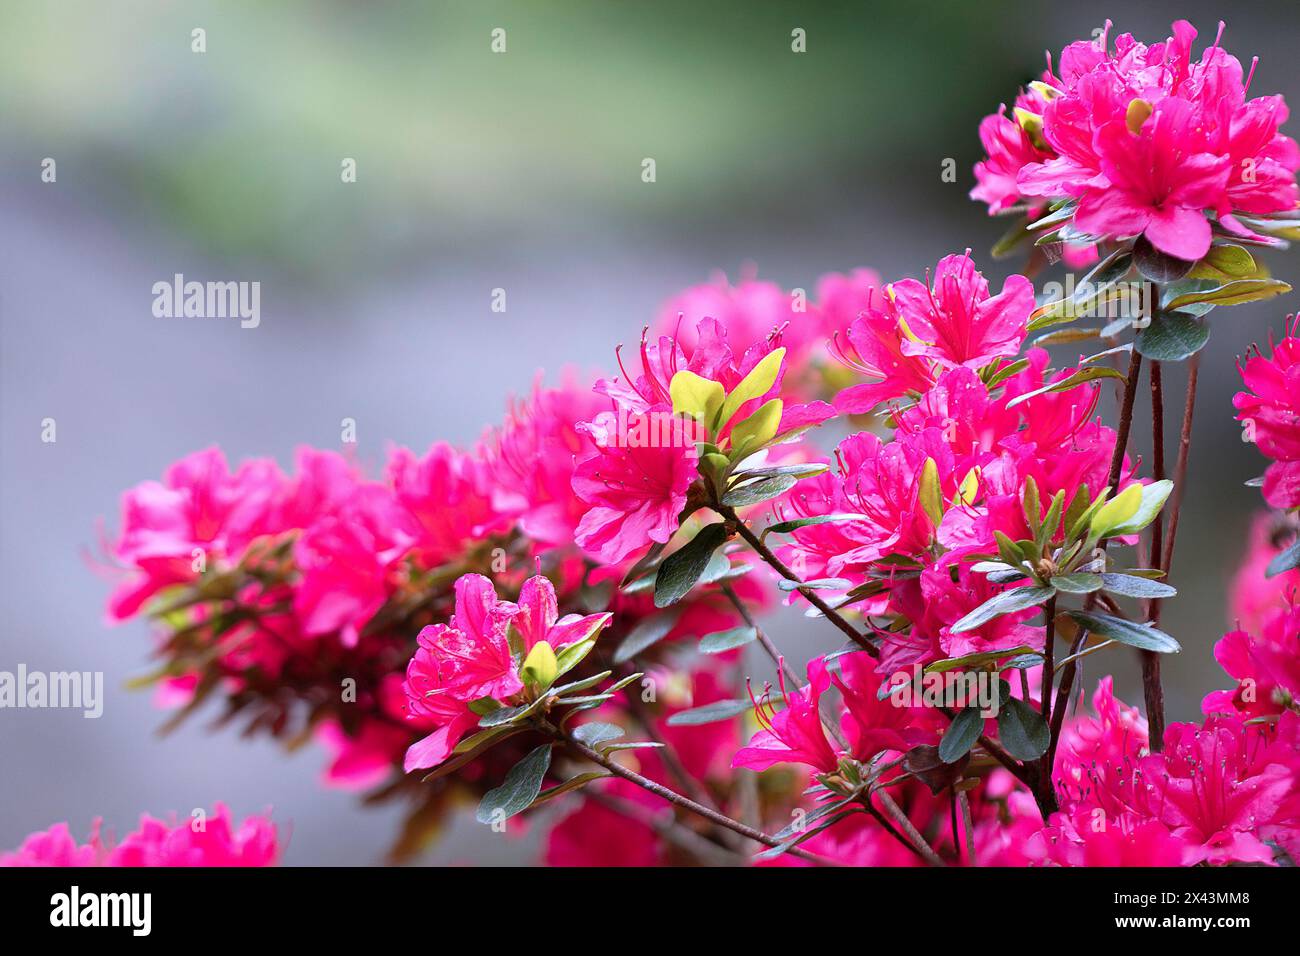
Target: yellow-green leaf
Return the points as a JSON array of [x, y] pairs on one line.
[[696, 396], [759, 428], [1114, 513], [757, 383]]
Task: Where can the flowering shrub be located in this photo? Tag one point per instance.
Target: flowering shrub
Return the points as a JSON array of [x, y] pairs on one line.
[[566, 615], [201, 841]]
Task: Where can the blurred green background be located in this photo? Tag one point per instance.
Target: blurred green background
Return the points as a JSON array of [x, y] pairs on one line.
[[475, 171]]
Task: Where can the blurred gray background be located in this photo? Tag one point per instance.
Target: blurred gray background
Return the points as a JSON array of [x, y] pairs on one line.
[[475, 171]]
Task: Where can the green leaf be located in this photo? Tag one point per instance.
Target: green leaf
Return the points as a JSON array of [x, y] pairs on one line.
[[758, 429], [1126, 632], [794, 524], [721, 641], [1114, 513], [975, 660], [1153, 499], [573, 783], [522, 785], [961, 735], [756, 384], [1022, 730], [1132, 586], [696, 396], [1172, 337], [1156, 265], [470, 749], [1014, 599], [817, 584], [1084, 375], [583, 684], [711, 713], [1227, 261], [644, 634], [1077, 583], [1288, 559], [681, 569], [754, 492], [596, 732], [572, 655], [1236, 292], [807, 470], [931, 496]]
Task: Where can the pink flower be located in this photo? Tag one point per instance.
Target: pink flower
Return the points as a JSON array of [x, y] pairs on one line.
[[538, 618], [1147, 141], [1215, 786], [531, 460], [873, 724], [1160, 181], [198, 515], [875, 349], [345, 561], [215, 841], [1256, 599], [1009, 150], [1266, 668], [56, 847], [1089, 838], [1270, 412], [457, 663], [209, 841], [448, 495], [633, 495], [794, 734], [954, 321]]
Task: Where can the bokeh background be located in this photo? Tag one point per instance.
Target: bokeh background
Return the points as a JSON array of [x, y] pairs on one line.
[[475, 171]]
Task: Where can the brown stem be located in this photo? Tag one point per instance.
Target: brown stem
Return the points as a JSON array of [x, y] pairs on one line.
[[1180, 469], [1125, 419], [1152, 688], [676, 799], [917, 842], [764, 552]]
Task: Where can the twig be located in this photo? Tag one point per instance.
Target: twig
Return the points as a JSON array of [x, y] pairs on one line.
[[672, 796], [815, 599]]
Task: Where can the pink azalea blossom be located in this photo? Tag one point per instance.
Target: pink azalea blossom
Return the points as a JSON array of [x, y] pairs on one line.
[[794, 734], [211, 841], [457, 663], [1270, 413]]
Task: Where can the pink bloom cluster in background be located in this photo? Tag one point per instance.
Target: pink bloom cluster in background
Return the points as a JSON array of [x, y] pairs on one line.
[[215, 840], [1270, 414], [1146, 141]]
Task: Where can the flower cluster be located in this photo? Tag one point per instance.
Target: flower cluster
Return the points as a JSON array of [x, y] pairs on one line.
[[214, 840], [569, 610], [1144, 141]]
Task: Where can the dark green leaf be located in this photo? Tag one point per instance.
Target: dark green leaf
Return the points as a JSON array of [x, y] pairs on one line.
[[1172, 337], [1126, 632], [1133, 586], [961, 735], [794, 524], [762, 490], [1156, 265], [681, 569], [1288, 559], [646, 633], [711, 713], [1014, 599], [1022, 730], [522, 785], [596, 732], [727, 640], [1077, 583]]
